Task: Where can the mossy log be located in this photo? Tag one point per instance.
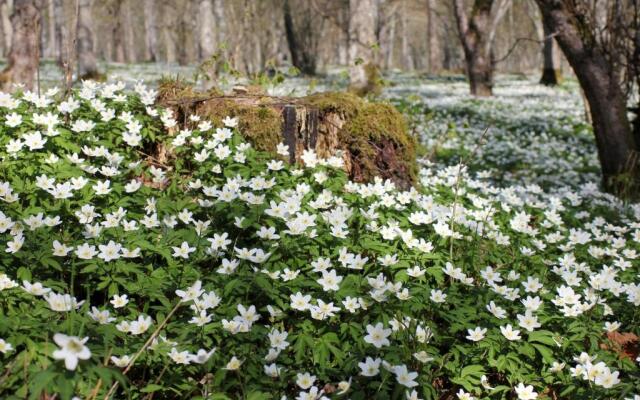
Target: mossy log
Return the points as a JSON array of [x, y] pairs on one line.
[[372, 137]]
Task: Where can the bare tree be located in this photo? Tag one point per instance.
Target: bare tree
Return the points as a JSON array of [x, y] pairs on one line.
[[601, 47], [362, 20], [476, 32], [23, 59]]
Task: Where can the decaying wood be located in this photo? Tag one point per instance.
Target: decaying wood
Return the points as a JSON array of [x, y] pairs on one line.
[[303, 125]]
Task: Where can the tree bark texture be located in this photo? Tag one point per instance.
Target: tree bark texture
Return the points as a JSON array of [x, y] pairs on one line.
[[150, 31], [87, 62], [476, 33], [362, 15], [23, 59], [617, 148], [551, 74], [206, 27]]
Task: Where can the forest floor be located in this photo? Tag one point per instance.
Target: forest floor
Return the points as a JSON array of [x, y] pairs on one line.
[[223, 272]]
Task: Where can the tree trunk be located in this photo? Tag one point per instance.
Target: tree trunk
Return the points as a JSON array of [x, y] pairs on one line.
[[150, 31], [300, 38], [362, 18], [433, 45], [7, 31], [551, 74], [391, 39], [168, 30], [475, 33], [23, 59], [292, 40], [207, 45], [117, 33], [407, 59], [62, 33], [617, 149], [220, 20], [50, 49], [127, 32], [87, 63]]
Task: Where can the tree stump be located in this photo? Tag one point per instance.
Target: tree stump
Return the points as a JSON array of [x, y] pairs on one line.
[[371, 137]]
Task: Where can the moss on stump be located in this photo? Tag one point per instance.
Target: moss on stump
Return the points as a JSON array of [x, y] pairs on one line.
[[372, 136]]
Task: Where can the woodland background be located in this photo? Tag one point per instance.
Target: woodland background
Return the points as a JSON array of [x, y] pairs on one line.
[[251, 34]]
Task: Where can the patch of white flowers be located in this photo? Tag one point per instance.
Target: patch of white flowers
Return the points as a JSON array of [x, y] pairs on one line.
[[278, 269]]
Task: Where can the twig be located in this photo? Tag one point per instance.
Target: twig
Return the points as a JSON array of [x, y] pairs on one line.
[[94, 392], [166, 366], [38, 28], [143, 348], [523, 39], [457, 188], [71, 53]]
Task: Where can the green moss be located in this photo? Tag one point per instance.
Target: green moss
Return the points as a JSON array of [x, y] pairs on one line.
[[367, 126], [343, 103], [259, 124], [374, 133], [374, 83]]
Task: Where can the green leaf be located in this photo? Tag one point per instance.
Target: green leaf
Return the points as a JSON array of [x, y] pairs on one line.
[[542, 336], [545, 352], [151, 388], [473, 370]]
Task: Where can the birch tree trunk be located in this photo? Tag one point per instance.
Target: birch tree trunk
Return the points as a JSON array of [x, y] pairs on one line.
[[87, 63], [23, 59], [362, 16], [150, 31], [207, 45]]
